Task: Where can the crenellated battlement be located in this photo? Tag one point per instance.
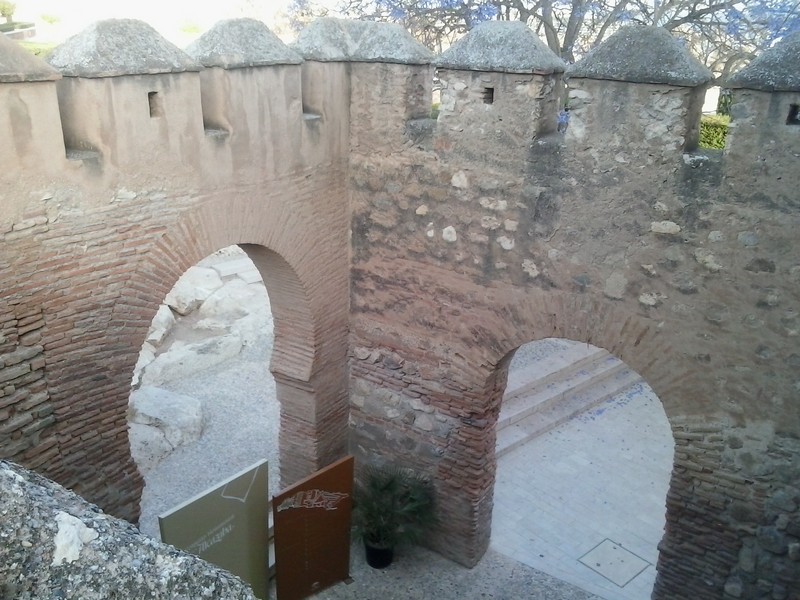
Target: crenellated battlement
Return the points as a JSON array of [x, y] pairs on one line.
[[407, 257], [238, 100]]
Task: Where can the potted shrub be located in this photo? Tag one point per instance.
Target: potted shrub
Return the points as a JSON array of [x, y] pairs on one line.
[[391, 506]]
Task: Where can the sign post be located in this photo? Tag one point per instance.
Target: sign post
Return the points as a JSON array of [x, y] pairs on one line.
[[312, 531]]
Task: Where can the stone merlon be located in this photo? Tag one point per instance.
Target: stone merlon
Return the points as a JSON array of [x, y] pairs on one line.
[[238, 43], [501, 46], [119, 47], [332, 40], [776, 70], [642, 54], [17, 64]]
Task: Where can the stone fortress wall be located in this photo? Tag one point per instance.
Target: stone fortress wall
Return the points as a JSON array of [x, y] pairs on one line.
[[407, 258]]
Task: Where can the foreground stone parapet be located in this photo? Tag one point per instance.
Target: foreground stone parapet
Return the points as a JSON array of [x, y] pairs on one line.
[[54, 544]]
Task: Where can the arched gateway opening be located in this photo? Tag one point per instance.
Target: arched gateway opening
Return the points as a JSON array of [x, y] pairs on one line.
[[203, 404], [584, 455], [473, 375], [308, 300]]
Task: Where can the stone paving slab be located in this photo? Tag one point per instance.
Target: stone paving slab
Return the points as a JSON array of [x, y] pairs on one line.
[[542, 357], [602, 475], [614, 562], [419, 574]]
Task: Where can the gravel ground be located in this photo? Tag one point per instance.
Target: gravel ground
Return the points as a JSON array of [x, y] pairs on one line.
[[241, 427]]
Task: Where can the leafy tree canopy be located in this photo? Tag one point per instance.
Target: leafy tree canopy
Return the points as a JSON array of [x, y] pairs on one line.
[[724, 34]]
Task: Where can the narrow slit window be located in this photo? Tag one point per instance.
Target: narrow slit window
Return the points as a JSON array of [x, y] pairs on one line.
[[794, 115], [156, 107], [488, 95]]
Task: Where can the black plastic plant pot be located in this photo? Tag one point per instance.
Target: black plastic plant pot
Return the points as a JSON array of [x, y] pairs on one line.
[[378, 558]]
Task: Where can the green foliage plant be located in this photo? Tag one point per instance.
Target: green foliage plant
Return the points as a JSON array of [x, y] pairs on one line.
[[14, 25], [40, 49], [713, 131], [191, 29], [392, 505]]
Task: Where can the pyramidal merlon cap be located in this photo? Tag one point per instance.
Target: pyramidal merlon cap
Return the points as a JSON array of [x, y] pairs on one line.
[[774, 70], [118, 47], [330, 40], [642, 54], [238, 43], [501, 46], [18, 65]]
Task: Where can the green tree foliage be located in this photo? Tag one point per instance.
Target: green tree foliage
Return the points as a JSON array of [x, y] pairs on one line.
[[725, 34], [713, 131], [7, 9]]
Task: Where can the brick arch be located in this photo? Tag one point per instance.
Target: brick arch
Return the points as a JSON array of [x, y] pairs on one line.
[[631, 337], [598, 322], [307, 285], [509, 319], [294, 348]]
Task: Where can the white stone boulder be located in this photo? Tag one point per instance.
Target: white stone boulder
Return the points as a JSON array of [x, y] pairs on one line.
[[162, 324], [240, 307], [182, 360], [146, 355], [254, 327], [192, 289], [160, 421], [235, 300]]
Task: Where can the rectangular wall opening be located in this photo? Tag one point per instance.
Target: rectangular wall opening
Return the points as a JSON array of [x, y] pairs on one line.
[[488, 95], [155, 104], [794, 115]]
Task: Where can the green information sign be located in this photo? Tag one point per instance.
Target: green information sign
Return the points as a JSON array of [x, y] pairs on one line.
[[227, 525]]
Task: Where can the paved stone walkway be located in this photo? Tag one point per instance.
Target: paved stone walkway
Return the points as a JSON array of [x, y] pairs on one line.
[[419, 574], [597, 482]]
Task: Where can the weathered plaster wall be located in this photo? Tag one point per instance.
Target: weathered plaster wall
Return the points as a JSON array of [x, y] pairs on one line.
[[506, 110], [762, 156]]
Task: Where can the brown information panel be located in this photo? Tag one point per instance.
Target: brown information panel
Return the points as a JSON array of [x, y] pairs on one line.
[[227, 525], [312, 531]]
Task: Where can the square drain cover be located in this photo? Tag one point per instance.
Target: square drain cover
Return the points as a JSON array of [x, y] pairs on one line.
[[614, 563]]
